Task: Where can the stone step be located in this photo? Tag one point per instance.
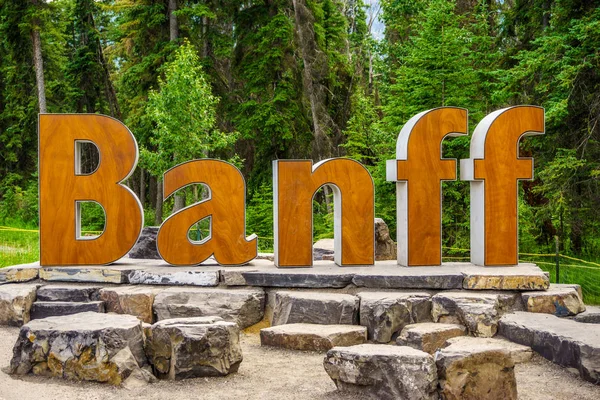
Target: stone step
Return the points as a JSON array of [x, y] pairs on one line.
[[518, 353], [561, 300], [591, 315], [312, 337], [291, 307], [242, 306], [379, 371], [479, 312], [15, 303], [65, 292], [386, 313], [429, 336], [474, 370], [132, 300], [44, 309], [563, 341]]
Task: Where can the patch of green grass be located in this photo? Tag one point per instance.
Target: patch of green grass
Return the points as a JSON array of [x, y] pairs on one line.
[[18, 247]]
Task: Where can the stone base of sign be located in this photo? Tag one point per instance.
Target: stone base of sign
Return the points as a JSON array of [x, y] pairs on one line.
[[19, 273], [312, 337]]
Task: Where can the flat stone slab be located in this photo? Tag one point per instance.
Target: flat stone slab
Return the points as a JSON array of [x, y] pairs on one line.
[[379, 371], [16, 300], [86, 346], [518, 352], [478, 311], [44, 309], [242, 306], [174, 276], [308, 307], [429, 336], [561, 300], [522, 277], [194, 347], [114, 273], [132, 300], [476, 371], [19, 273], [386, 313], [68, 292], [312, 336], [563, 341], [591, 315]]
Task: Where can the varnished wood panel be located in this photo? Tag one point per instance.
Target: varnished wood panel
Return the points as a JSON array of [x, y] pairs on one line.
[[295, 183], [226, 206], [60, 189], [495, 169], [420, 170]]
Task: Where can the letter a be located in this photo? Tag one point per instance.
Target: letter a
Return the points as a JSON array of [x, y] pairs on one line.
[[294, 185], [419, 171], [494, 170], [226, 206], [63, 186]]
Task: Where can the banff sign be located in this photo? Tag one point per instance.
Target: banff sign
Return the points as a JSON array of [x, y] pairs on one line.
[[493, 170]]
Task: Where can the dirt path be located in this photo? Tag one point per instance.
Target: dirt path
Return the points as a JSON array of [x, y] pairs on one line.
[[265, 373]]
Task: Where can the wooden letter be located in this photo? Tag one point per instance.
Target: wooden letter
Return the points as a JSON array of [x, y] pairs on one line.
[[294, 185], [419, 171], [226, 206], [494, 170], [62, 187]]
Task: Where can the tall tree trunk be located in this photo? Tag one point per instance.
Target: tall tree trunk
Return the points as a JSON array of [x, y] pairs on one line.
[[111, 94], [173, 26], [142, 186], [38, 62], [158, 216]]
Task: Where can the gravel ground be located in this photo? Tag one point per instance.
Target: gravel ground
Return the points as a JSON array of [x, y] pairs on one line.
[[265, 373]]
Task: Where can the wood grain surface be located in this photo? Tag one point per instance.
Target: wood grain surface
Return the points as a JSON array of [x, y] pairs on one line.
[[60, 188], [226, 207], [295, 183]]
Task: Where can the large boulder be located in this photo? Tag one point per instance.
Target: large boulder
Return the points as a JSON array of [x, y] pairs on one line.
[[68, 292], [479, 312], [472, 371], [16, 300], [591, 315], [429, 336], [385, 247], [242, 306], [560, 340], [193, 347], [146, 244], [378, 371], [133, 300], [312, 337], [560, 300], [86, 346], [518, 352], [386, 313], [291, 307], [44, 309]]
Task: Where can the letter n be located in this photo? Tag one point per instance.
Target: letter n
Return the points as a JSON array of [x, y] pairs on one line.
[[419, 171], [226, 206], [294, 185], [494, 169], [62, 187]]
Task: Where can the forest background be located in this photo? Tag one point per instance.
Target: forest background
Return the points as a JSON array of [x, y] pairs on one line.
[[252, 81]]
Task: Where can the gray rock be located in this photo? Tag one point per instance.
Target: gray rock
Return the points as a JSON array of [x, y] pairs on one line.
[[591, 315], [178, 276], [385, 247], [19, 273], [86, 346], [468, 370], [242, 306], [44, 309], [560, 300], [194, 347], [386, 313], [379, 371], [518, 352], [132, 300], [524, 276], [113, 273], [478, 311], [323, 250], [293, 307], [66, 292], [429, 336], [397, 277], [145, 247], [311, 278], [312, 336], [563, 341], [16, 300]]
